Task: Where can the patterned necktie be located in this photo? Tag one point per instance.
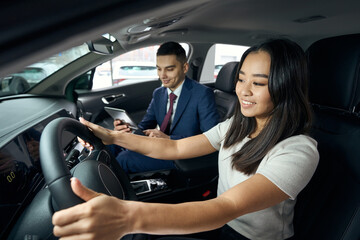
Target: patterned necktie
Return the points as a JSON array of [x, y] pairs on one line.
[[165, 126]]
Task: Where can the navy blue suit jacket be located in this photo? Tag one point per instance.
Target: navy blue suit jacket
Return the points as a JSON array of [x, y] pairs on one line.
[[195, 112]]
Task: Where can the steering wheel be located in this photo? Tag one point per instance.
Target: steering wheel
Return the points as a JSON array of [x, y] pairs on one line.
[[99, 171]]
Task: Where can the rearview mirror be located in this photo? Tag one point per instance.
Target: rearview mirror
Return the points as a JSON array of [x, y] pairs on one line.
[[101, 46]]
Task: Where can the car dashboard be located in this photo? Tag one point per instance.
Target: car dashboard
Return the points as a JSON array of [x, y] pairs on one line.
[[20, 170], [25, 200]]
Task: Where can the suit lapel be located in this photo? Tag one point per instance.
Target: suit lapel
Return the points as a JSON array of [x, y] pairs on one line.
[[183, 102]]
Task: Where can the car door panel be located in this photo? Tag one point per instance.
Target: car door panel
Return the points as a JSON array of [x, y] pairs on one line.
[[134, 98]]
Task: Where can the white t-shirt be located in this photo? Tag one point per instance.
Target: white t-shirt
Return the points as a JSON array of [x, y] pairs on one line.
[[290, 165]]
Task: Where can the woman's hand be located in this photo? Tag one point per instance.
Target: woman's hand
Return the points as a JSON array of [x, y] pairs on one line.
[[104, 134], [86, 145], [100, 217]]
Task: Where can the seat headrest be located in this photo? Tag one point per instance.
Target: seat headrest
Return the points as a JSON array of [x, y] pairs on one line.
[[334, 72], [225, 80]]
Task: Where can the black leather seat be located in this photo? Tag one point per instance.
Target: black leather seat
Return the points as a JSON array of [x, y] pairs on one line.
[[225, 96], [226, 99], [329, 207]]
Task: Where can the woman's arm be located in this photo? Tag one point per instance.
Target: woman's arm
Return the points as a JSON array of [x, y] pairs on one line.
[[159, 148], [255, 194], [110, 218]]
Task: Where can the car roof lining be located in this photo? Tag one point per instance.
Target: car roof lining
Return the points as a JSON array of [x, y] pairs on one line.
[[250, 21]]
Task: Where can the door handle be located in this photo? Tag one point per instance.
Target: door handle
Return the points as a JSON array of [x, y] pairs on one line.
[[111, 98]]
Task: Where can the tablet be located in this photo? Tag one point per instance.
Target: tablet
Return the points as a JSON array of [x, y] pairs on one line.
[[121, 114]]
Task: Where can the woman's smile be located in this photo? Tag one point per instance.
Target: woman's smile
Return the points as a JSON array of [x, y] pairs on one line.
[[252, 86], [247, 104]]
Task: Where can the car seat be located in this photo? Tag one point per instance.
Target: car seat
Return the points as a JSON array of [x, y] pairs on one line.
[[328, 208], [225, 96], [226, 99]]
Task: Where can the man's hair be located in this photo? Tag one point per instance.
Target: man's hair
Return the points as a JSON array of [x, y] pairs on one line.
[[172, 48], [291, 114]]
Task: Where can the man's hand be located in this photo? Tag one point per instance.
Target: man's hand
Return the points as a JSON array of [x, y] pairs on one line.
[[155, 133], [120, 126]]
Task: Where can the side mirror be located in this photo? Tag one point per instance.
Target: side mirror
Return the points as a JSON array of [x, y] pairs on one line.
[[101, 46]]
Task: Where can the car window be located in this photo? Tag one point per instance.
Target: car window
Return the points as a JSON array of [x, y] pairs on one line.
[[217, 56], [132, 67], [22, 81]]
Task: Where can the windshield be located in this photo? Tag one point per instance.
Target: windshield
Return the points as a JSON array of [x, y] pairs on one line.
[[20, 82]]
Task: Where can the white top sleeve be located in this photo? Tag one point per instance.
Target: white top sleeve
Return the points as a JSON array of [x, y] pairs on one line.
[[291, 164], [216, 135]]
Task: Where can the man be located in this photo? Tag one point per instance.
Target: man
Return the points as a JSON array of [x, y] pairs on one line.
[[192, 109]]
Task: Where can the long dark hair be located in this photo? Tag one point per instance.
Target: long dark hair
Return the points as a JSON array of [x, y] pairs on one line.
[[291, 114]]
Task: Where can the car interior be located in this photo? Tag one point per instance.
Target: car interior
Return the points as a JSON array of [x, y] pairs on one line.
[[39, 150], [330, 204]]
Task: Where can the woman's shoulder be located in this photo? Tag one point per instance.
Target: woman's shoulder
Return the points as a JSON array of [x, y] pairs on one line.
[[291, 163], [297, 145], [299, 139]]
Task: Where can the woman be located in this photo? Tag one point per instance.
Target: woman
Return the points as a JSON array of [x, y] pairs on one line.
[[265, 160]]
